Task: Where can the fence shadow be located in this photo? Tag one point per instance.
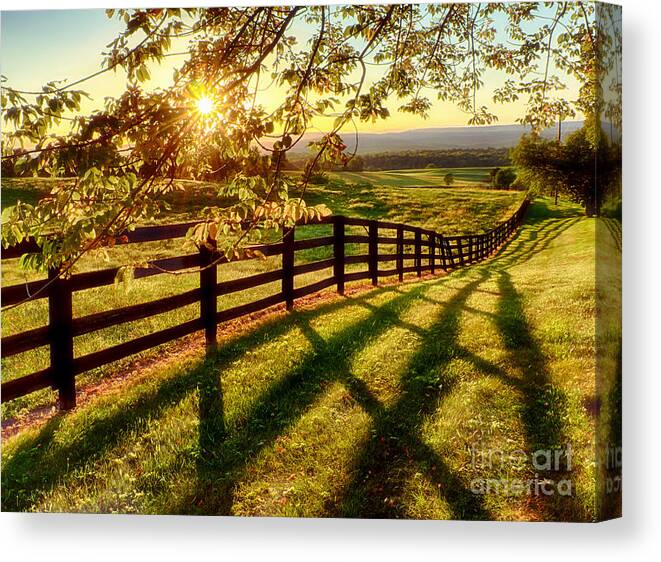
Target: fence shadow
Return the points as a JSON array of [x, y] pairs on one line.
[[221, 467], [41, 461]]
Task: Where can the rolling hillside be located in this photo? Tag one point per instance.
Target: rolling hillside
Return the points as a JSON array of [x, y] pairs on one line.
[[494, 136]]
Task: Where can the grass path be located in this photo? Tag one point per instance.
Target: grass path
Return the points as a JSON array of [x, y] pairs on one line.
[[367, 406]]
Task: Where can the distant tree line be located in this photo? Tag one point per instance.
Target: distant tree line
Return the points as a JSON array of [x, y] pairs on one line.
[[415, 159]]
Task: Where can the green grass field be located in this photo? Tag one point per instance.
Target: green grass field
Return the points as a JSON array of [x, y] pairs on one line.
[[448, 210], [363, 406], [432, 177]]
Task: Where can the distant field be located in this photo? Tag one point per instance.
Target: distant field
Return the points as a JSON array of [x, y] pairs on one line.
[[432, 177], [446, 210]]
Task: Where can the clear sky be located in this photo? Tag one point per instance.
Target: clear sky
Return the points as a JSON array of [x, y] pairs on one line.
[[44, 45]]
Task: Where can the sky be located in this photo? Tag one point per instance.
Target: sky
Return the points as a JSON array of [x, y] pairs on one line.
[[44, 45]]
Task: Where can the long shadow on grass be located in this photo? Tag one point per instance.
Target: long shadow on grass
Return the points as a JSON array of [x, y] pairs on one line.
[[221, 467], [396, 449], [379, 473], [531, 240], [42, 459], [527, 243], [544, 405]]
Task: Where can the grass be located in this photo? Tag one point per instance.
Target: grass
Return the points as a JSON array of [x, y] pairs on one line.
[[365, 406], [428, 177], [450, 210]]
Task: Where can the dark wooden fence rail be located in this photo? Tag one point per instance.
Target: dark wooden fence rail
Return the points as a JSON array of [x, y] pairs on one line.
[[446, 252]]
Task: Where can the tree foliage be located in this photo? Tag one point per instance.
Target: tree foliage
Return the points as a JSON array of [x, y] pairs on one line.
[[126, 154], [574, 168], [586, 167], [504, 178]]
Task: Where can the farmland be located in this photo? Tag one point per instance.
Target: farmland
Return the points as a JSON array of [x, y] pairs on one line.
[[432, 177], [446, 210], [351, 407]]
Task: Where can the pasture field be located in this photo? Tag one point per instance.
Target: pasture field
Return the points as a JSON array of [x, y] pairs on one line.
[[448, 210], [370, 405], [427, 177]]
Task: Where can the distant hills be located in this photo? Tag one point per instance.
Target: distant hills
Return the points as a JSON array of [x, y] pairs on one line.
[[434, 138]]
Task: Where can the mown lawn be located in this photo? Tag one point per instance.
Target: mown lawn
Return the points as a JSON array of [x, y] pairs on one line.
[[371, 405], [427, 177], [447, 210]]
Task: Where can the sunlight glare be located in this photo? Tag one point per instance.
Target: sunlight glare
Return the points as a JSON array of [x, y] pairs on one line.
[[205, 105]]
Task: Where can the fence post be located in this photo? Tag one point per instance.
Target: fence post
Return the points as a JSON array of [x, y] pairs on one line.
[[441, 244], [288, 267], [338, 252], [432, 251], [400, 253], [418, 252], [451, 256], [60, 316], [373, 252], [208, 300]]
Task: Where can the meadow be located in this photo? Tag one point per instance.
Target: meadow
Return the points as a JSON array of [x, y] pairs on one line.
[[445, 210], [428, 177], [488, 390], [370, 405]]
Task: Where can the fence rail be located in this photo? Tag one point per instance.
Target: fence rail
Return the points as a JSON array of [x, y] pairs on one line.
[[431, 251]]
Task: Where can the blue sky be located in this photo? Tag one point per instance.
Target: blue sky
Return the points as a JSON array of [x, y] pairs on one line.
[[52, 44], [43, 45]]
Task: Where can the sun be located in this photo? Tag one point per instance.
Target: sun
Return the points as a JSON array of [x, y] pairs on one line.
[[205, 105]]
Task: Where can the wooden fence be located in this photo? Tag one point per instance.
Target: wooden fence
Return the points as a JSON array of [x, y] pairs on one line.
[[430, 251]]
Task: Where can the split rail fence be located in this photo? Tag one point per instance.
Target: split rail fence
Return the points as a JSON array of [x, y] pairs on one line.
[[417, 250]]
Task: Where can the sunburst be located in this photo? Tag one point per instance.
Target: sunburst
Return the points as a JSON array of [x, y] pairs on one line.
[[205, 105]]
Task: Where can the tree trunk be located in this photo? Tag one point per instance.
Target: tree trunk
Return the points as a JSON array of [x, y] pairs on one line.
[[590, 208], [559, 130]]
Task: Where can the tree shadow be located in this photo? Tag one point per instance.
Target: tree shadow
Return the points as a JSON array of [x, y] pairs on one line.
[[544, 405], [41, 460], [381, 471], [396, 449], [226, 452], [221, 466], [530, 241]]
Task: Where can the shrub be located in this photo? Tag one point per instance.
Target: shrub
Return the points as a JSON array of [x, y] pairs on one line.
[[504, 178], [319, 178]]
